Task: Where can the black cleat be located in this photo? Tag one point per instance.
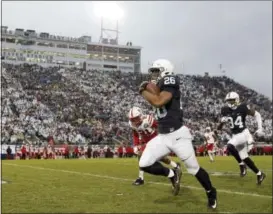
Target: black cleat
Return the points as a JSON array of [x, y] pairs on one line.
[[260, 178], [212, 198], [243, 170], [138, 182], [176, 179]]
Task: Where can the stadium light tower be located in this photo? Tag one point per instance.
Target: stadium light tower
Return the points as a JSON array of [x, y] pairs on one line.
[[108, 11], [222, 70]]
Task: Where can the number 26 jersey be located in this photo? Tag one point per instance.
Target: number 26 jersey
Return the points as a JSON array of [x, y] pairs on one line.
[[169, 116]]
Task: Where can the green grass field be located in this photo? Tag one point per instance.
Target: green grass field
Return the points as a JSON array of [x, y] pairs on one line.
[[105, 185]]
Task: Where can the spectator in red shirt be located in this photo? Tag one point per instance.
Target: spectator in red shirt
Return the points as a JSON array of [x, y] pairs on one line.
[[24, 152], [76, 152]]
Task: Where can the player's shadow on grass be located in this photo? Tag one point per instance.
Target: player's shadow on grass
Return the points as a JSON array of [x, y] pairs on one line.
[[237, 179], [185, 194]]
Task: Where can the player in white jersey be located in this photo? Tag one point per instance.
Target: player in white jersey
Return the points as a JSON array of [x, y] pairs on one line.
[[210, 143]]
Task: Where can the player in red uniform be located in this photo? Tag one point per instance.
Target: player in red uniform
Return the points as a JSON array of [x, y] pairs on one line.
[[210, 143], [144, 129]]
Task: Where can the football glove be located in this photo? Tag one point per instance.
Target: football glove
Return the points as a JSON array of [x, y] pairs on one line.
[[143, 86]]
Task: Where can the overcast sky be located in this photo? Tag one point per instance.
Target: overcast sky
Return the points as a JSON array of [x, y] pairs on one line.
[[198, 35]]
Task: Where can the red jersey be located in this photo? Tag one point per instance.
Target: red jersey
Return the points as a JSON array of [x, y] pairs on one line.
[[23, 150], [146, 131], [210, 141]]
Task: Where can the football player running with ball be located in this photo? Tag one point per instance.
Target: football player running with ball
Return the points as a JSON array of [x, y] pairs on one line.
[[234, 114], [144, 129], [172, 136]]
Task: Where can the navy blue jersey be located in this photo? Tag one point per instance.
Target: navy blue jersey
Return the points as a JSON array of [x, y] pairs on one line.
[[169, 116], [236, 117]]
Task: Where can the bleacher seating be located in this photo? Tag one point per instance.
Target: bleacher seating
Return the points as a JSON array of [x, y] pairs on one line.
[[74, 105]]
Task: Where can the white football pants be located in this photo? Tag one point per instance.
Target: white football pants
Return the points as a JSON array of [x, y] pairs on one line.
[[179, 142], [242, 142]]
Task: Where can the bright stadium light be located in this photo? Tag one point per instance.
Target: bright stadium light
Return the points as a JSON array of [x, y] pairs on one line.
[[108, 9]]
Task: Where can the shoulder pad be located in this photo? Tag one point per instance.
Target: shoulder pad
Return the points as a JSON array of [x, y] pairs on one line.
[[244, 105]]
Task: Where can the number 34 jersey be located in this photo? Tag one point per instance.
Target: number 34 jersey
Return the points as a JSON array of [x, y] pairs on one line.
[[236, 118], [169, 117]]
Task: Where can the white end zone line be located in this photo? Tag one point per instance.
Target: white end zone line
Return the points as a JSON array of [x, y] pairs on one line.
[[125, 179]]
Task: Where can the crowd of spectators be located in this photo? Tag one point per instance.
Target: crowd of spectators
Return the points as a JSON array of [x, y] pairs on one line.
[[98, 151], [41, 105]]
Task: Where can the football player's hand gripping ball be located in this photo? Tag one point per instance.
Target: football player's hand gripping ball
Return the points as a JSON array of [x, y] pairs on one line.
[[143, 86]]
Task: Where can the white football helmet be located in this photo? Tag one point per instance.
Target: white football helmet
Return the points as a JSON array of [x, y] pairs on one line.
[[232, 99], [161, 68], [135, 116]]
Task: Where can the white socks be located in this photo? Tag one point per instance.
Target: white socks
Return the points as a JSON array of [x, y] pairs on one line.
[[173, 164], [171, 173], [210, 156], [141, 174]]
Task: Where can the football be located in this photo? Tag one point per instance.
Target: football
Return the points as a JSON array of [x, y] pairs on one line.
[[151, 87]]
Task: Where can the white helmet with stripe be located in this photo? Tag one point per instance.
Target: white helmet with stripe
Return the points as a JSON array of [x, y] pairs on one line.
[[135, 115]]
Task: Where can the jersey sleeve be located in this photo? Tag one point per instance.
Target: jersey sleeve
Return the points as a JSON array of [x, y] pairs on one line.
[[223, 117], [248, 109], [169, 84], [135, 138]]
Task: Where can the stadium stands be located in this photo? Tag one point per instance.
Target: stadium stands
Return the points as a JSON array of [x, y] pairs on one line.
[[77, 106]]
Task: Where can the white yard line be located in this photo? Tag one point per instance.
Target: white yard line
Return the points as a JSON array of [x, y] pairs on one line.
[[229, 172], [130, 180]]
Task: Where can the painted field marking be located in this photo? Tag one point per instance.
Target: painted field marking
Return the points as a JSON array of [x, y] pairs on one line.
[[130, 180]]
